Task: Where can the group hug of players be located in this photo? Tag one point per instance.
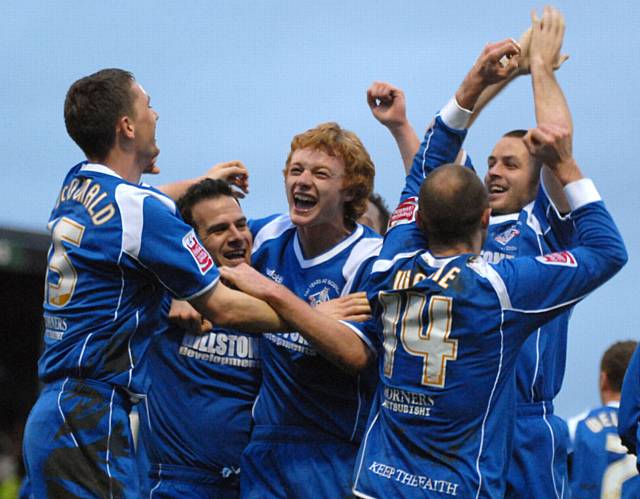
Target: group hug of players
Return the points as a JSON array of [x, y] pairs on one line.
[[306, 356]]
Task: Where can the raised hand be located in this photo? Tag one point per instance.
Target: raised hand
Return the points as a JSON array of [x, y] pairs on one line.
[[546, 37], [387, 104], [551, 143], [497, 63], [233, 172]]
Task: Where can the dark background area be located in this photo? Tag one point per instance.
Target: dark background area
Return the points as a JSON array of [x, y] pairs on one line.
[[22, 271]]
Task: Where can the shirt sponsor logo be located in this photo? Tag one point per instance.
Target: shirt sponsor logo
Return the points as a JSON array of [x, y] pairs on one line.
[[406, 402], [222, 348], [563, 258], [54, 327], [405, 212], [507, 235], [199, 254], [294, 342]]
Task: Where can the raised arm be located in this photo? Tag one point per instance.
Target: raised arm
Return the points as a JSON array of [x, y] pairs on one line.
[[233, 172], [335, 341], [524, 68], [443, 139], [550, 104], [388, 106], [540, 287]]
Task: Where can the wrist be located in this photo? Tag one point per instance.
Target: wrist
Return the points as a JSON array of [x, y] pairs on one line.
[[568, 171], [400, 129], [538, 64]]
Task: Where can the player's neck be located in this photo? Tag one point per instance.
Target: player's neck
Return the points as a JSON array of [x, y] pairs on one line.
[[123, 164], [609, 396], [318, 239], [473, 245]]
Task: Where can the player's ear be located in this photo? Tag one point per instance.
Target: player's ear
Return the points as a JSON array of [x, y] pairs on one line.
[[420, 221], [485, 217], [604, 381], [126, 127]]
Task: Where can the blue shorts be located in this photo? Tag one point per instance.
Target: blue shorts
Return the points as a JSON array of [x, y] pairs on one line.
[[173, 481], [77, 442], [285, 462], [538, 466]]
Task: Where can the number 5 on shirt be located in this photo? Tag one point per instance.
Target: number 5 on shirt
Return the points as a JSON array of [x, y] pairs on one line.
[[60, 293]]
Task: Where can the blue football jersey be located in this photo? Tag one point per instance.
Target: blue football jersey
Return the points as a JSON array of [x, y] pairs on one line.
[[601, 464], [202, 390], [629, 414], [117, 248], [537, 229], [299, 386], [449, 331]]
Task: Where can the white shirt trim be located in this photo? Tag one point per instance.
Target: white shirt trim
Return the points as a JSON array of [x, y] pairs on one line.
[[581, 192], [328, 255]]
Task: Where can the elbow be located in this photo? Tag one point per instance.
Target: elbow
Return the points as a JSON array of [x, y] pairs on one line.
[[620, 256], [356, 362]]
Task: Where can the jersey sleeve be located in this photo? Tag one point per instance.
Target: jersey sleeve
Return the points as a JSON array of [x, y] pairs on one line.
[[559, 230], [440, 145], [539, 288], [629, 412], [255, 225], [156, 237]]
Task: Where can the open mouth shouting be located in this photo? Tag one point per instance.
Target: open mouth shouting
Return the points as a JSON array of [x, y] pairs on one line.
[[235, 256], [304, 202]]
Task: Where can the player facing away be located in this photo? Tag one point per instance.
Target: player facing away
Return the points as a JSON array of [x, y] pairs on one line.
[[118, 247], [525, 221], [309, 414], [601, 467], [447, 327]]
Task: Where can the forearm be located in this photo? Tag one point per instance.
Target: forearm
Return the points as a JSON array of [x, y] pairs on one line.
[[335, 341], [549, 100], [408, 143], [487, 95], [227, 307], [175, 190]]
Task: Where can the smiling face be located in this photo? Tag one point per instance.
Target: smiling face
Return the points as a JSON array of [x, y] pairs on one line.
[[223, 229], [314, 183], [512, 177], [144, 120]]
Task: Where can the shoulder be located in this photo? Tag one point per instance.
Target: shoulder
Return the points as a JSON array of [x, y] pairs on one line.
[[269, 228]]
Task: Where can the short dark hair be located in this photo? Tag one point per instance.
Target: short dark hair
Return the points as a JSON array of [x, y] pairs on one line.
[[205, 189], [376, 200], [615, 361], [92, 108], [518, 133], [452, 200]]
